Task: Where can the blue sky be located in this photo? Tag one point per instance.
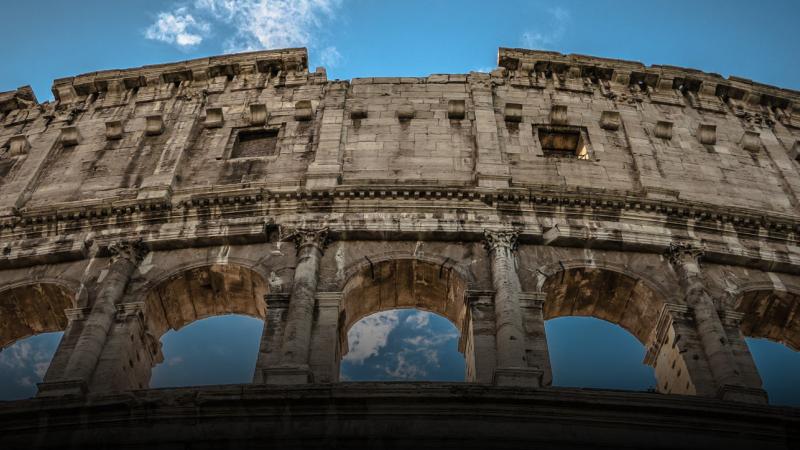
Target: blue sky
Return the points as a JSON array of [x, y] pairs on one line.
[[48, 39], [45, 40]]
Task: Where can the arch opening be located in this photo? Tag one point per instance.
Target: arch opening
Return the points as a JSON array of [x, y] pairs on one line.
[[772, 332], [600, 324], [407, 344], [393, 297], [32, 324], [207, 322], [587, 352]]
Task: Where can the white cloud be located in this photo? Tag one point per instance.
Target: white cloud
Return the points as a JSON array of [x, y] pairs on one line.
[[250, 25], [25, 381], [330, 57], [550, 35], [404, 369], [17, 355], [369, 335], [419, 319], [434, 341], [178, 27]]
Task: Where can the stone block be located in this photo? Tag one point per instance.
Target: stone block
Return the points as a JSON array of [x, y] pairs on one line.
[[663, 130], [513, 112], [18, 145], [751, 140], [69, 136], [258, 114], [303, 111], [707, 134], [405, 112], [456, 109], [610, 120], [214, 118], [114, 130], [154, 125], [558, 115]]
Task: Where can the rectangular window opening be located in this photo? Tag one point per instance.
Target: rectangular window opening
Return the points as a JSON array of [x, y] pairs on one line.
[[255, 144], [563, 142]]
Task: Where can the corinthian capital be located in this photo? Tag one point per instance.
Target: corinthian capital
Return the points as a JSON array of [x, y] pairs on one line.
[[303, 237], [681, 253], [505, 239], [133, 251]]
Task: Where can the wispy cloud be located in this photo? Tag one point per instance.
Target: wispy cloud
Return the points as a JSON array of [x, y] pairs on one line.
[[418, 320], [369, 335], [250, 25], [551, 34], [404, 369], [178, 27]]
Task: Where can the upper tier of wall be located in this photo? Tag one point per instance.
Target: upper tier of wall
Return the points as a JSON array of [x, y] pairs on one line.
[[164, 132]]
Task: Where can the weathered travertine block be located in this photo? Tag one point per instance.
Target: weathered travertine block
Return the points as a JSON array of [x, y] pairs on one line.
[[154, 124], [18, 145], [663, 129], [456, 109], [114, 130], [214, 118], [610, 120], [707, 134], [513, 112], [69, 136], [558, 115], [258, 114], [303, 111]]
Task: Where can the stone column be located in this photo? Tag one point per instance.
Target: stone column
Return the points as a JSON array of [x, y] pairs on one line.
[[685, 258], [125, 256], [512, 368], [293, 367], [732, 322]]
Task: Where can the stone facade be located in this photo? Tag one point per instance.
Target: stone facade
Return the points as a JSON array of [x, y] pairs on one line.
[[662, 199]]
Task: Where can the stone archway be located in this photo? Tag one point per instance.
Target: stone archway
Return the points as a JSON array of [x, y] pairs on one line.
[[32, 309], [764, 313], [621, 298], [771, 314], [198, 293], [405, 283]]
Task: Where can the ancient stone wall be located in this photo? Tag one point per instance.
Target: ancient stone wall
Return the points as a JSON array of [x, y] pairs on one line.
[[662, 199]]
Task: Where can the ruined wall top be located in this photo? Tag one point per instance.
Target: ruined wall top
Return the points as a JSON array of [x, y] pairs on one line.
[[656, 77], [267, 62]]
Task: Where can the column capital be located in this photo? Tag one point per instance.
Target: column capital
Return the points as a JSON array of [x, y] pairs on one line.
[[131, 250], [506, 239], [304, 237], [681, 253]]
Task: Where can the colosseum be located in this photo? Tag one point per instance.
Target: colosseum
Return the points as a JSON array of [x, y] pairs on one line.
[[661, 199]]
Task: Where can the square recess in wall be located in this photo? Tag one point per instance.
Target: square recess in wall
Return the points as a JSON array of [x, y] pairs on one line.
[[255, 143], [563, 141]]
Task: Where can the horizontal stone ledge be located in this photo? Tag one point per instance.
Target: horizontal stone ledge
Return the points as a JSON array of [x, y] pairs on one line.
[[248, 233], [368, 411]]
